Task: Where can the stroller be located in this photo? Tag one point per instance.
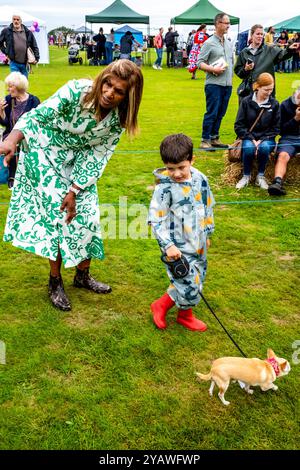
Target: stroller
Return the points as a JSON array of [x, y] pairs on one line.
[[73, 54]]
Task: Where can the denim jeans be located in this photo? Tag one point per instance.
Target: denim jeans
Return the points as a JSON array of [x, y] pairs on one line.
[[16, 67], [159, 53], [109, 52], [217, 99], [248, 155]]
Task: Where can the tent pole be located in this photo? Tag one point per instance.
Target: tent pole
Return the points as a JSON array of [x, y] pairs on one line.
[[85, 54], [149, 53]]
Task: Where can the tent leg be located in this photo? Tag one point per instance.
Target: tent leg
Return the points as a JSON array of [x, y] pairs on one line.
[[149, 52]]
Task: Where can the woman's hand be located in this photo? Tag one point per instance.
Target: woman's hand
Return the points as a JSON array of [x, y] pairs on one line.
[[69, 204], [3, 105], [7, 148], [249, 67], [173, 252]]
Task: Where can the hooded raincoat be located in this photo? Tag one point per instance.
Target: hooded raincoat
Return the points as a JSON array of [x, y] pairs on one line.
[[181, 214]]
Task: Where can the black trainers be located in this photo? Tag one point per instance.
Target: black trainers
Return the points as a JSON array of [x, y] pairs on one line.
[[57, 294], [84, 279], [10, 183], [276, 189]]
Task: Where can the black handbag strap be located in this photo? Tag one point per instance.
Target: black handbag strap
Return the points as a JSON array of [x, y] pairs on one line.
[[256, 120]]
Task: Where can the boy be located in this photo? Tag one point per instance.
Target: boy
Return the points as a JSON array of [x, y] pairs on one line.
[[181, 218]]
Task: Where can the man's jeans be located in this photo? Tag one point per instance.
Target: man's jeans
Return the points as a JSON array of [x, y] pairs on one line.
[[16, 67], [159, 53], [249, 150], [217, 99]]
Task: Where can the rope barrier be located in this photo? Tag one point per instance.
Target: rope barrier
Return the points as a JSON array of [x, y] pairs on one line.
[[220, 203], [216, 149]]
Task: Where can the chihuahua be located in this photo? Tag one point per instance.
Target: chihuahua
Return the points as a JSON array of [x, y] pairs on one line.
[[247, 372]]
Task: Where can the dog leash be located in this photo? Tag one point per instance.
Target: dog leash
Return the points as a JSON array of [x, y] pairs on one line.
[[211, 310]]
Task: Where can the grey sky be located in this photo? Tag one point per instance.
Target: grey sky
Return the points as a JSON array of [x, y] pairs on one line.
[[72, 12]]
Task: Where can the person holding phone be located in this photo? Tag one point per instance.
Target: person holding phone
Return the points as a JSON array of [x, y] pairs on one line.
[[258, 58]]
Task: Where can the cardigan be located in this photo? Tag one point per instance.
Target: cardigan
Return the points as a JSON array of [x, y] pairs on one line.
[[32, 102]]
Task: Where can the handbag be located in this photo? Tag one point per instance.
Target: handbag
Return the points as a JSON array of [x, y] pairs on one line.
[[30, 56], [235, 150], [244, 88], [3, 171]]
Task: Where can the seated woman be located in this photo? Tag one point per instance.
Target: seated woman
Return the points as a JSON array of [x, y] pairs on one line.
[[16, 103], [261, 140]]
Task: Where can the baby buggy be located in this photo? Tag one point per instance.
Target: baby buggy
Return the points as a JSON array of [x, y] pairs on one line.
[[73, 55]]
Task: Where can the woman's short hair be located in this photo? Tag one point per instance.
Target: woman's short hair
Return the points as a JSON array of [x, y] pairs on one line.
[[255, 27], [264, 79], [176, 148], [18, 80], [128, 109]]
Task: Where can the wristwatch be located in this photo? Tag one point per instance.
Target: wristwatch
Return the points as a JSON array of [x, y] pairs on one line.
[[74, 190]]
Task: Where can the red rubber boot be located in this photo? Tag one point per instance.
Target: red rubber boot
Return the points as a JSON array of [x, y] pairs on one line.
[[187, 319], [160, 309]]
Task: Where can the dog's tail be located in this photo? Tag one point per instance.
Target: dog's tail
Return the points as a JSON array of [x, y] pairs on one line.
[[203, 376]]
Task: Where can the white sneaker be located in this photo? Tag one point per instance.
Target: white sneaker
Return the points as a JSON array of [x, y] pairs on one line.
[[154, 66], [159, 67], [243, 182], [261, 182]]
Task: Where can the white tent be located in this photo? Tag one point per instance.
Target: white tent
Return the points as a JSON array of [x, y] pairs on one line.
[[6, 14]]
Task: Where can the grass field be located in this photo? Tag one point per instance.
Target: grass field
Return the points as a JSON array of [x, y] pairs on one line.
[[102, 376]]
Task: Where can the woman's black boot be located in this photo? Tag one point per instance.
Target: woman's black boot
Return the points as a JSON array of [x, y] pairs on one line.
[[84, 279], [57, 294]]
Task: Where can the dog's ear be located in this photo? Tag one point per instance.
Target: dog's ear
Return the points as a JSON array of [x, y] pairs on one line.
[[283, 366], [270, 353]]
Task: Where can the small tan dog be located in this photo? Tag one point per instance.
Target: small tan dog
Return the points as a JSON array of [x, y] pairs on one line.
[[247, 372]]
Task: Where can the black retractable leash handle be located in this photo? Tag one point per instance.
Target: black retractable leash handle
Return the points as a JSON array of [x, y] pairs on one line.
[[211, 310]]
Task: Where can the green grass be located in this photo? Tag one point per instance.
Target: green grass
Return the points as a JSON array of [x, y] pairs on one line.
[[102, 376]]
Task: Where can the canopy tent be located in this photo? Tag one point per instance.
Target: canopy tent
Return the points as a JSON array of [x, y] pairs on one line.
[[292, 24], [117, 13], [138, 35], [6, 14], [83, 30], [202, 12]]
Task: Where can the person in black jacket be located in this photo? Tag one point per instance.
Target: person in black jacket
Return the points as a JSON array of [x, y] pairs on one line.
[[261, 140], [170, 45], [289, 143], [258, 58], [12, 108], [14, 42], [100, 40]]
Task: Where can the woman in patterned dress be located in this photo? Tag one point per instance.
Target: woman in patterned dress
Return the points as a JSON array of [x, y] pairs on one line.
[[199, 39], [66, 144]]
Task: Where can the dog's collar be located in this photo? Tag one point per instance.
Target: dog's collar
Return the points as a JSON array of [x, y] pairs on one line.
[[274, 364]]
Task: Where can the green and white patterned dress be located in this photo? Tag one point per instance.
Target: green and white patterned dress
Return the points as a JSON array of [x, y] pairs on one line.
[[63, 144]]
